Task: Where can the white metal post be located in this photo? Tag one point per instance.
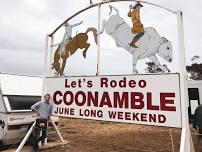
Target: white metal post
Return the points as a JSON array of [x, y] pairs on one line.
[[98, 40], [185, 135], [45, 67], [25, 138], [45, 73], [56, 128], [51, 56]]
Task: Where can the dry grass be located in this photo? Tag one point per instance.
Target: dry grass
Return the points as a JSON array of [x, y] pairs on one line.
[[97, 136]]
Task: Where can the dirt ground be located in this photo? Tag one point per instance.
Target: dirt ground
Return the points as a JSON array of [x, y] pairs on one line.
[[97, 136]]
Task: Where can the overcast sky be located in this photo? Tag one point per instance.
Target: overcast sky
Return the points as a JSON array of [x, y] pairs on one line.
[[24, 23]]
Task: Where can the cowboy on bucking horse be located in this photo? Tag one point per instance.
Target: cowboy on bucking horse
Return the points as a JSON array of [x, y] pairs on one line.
[[67, 35], [138, 27]]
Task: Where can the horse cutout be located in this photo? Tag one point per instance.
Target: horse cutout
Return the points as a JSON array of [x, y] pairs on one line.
[[77, 42], [150, 44]]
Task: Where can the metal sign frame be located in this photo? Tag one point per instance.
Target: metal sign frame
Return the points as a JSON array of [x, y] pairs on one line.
[[186, 144]]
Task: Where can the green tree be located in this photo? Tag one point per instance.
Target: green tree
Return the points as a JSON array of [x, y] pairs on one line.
[[152, 68], [195, 71]]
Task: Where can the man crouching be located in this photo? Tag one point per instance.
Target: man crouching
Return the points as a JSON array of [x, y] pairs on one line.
[[43, 110]]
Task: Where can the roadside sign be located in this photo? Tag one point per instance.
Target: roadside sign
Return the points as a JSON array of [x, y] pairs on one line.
[[140, 99]]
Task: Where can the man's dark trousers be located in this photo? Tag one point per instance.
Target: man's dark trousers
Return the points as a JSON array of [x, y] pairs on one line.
[[36, 133]]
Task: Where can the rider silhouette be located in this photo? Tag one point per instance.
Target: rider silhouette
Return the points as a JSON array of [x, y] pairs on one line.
[[68, 35], [138, 27]]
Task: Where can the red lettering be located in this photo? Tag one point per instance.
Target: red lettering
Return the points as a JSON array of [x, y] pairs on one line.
[[83, 98], [164, 101], [112, 114], [100, 113], [127, 116], [142, 83], [104, 82], [149, 102], [71, 96], [89, 84], [79, 83], [120, 115], [137, 97], [92, 98], [152, 117], [73, 84], [144, 117], [57, 102], [66, 83], [135, 116], [105, 100], [161, 118], [120, 102], [122, 83], [132, 83], [113, 83], [71, 111]]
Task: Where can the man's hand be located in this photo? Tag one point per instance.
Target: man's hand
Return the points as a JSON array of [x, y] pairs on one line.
[[34, 110], [38, 114]]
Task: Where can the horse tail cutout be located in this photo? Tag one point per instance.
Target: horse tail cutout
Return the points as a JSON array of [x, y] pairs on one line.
[[94, 30], [56, 63]]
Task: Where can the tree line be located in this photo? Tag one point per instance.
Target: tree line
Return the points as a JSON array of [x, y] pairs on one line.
[[194, 71]]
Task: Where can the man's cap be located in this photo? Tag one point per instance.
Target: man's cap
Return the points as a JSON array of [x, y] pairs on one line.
[[137, 4]]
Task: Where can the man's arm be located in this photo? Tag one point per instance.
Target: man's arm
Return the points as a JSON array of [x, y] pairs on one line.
[[77, 24], [35, 107]]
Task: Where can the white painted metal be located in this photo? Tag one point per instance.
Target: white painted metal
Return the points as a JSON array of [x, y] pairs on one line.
[[98, 41], [45, 66], [46, 69], [49, 73], [185, 136], [51, 56], [56, 128], [105, 2], [25, 138]]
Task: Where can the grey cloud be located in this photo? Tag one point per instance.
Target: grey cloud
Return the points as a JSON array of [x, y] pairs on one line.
[[24, 23]]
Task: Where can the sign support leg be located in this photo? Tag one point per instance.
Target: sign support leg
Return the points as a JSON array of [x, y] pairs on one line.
[[56, 128], [25, 138], [185, 145], [45, 74], [51, 56], [98, 41]]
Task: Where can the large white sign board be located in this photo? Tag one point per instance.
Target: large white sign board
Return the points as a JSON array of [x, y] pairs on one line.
[[139, 99]]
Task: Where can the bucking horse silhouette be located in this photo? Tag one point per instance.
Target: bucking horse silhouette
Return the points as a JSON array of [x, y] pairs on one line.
[[77, 42], [149, 45]]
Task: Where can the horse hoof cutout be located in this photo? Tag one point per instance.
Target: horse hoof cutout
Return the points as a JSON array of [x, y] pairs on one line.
[[84, 55]]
